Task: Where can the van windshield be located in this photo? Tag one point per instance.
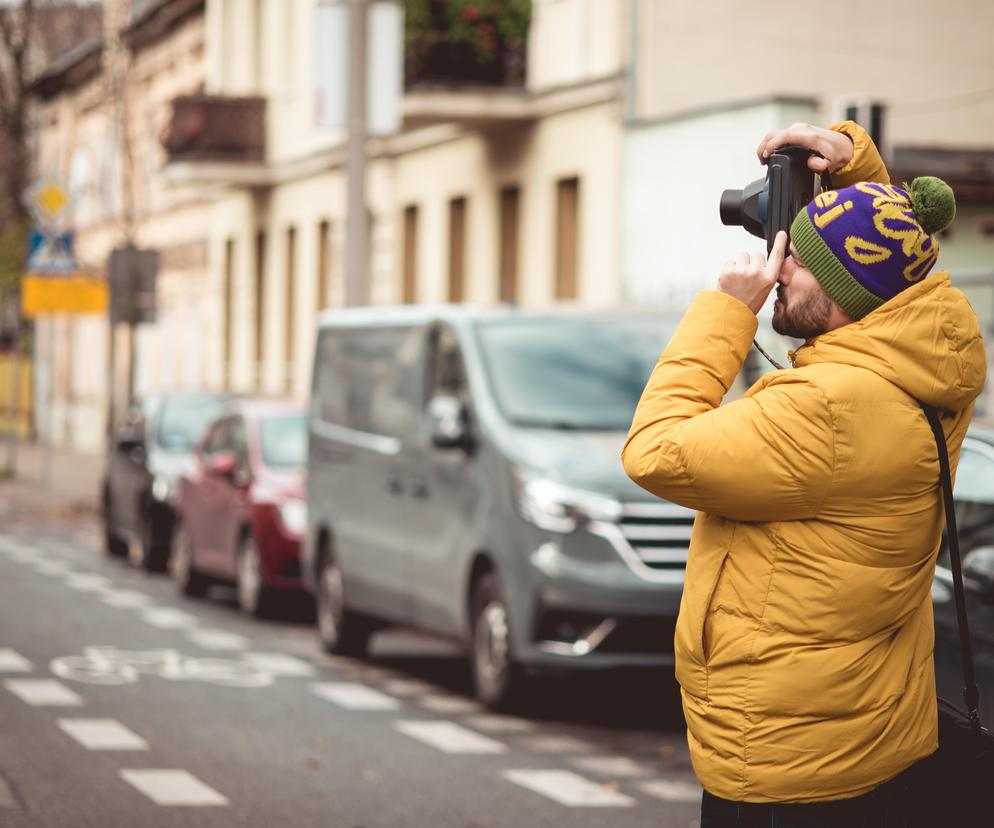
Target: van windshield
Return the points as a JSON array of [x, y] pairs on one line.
[[572, 373]]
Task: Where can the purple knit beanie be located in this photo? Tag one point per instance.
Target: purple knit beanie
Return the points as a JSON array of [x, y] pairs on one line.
[[867, 243]]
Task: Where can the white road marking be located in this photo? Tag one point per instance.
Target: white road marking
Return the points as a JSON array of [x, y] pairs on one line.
[[87, 583], [352, 696], [555, 744], [217, 639], [44, 567], [13, 662], [168, 618], [673, 791], [173, 787], [126, 598], [43, 693], [618, 767], [495, 723], [568, 788], [102, 734], [280, 664], [407, 687], [449, 705], [449, 737]]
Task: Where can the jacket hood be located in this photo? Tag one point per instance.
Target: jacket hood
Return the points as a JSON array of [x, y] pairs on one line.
[[926, 340]]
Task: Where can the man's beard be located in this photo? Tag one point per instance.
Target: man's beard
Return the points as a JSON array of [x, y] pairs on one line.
[[804, 318]]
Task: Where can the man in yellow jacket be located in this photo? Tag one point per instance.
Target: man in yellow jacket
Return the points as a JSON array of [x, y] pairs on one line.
[[805, 635]]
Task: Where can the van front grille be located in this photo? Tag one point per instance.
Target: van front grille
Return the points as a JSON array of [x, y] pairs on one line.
[[659, 533]]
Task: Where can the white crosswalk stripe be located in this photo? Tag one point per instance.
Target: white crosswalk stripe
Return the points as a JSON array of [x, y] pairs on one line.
[[616, 767], [555, 744], [172, 787], [353, 696], [280, 664], [102, 734], [449, 705], [218, 639], [672, 790], [126, 598], [568, 788], [43, 693], [13, 662], [87, 583], [167, 618], [449, 737], [494, 723]]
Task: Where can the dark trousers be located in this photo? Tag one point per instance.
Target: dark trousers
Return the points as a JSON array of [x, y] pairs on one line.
[[881, 808]]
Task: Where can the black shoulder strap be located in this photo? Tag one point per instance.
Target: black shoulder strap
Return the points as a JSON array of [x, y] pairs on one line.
[[970, 693]]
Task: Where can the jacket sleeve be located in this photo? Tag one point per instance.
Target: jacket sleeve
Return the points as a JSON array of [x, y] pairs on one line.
[[768, 456], [865, 164]]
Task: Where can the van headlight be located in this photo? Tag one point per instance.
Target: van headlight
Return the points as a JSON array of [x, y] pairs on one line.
[[293, 516], [558, 508]]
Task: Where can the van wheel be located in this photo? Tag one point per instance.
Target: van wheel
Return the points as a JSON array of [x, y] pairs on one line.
[[190, 582], [497, 679], [341, 632], [155, 551]]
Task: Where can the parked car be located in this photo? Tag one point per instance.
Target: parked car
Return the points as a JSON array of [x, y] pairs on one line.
[[974, 496], [464, 477], [146, 455], [241, 504]]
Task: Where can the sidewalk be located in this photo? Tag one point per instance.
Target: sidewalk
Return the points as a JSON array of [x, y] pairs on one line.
[[71, 492]]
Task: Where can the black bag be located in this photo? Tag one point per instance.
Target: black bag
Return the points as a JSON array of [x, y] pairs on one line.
[[955, 785]]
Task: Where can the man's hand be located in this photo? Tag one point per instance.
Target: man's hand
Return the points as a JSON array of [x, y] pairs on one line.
[[750, 278], [836, 148]]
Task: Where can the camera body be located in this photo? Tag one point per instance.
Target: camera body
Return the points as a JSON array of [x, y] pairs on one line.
[[768, 205]]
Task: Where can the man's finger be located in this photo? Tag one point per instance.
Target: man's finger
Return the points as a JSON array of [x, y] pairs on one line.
[[743, 259], [817, 163], [762, 145], [757, 261], [776, 256]]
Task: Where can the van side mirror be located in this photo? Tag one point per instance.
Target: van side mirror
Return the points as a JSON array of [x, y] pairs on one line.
[[978, 566], [449, 423]]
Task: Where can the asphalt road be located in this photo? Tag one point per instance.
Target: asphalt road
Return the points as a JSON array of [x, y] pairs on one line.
[[125, 704]]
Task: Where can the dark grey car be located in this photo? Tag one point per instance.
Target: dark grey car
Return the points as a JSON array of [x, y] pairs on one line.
[[147, 454], [464, 477]]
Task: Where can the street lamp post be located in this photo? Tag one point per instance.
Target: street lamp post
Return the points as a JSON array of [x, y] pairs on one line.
[[357, 218]]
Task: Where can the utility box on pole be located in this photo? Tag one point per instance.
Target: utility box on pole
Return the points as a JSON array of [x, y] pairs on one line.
[[133, 275]]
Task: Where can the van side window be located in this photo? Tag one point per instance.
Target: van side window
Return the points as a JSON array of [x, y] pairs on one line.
[[367, 378], [447, 374]]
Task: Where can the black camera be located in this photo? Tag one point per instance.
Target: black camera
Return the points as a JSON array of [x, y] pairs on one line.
[[769, 205]]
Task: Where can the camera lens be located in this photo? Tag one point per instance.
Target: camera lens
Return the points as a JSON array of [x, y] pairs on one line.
[[730, 207]]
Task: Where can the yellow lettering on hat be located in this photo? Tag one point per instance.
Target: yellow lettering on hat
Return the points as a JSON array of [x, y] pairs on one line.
[[826, 199], [825, 219], [866, 252]]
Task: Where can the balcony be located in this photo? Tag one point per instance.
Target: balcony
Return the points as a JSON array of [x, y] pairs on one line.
[[465, 64], [216, 139]]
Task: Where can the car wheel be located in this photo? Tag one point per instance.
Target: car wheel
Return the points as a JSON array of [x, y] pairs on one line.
[[189, 580], [497, 678], [114, 547], [155, 551], [341, 632], [253, 595]]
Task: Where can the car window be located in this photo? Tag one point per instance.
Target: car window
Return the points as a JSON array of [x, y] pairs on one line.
[[284, 441], [975, 475], [182, 420]]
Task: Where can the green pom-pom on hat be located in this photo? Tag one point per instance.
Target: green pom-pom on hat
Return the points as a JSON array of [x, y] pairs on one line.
[[933, 202]]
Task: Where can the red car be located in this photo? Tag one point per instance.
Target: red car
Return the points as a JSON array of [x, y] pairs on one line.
[[242, 504]]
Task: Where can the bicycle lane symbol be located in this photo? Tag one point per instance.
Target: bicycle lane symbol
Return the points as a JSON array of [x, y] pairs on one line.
[[111, 666]]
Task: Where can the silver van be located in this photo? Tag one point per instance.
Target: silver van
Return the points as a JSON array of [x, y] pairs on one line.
[[464, 478]]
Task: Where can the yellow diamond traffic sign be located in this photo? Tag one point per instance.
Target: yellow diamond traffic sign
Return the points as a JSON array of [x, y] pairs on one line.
[[52, 199]]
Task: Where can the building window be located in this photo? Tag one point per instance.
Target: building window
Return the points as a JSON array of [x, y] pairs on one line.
[[227, 311], [291, 299], [510, 198], [567, 237], [324, 263], [260, 298], [410, 262], [457, 249]]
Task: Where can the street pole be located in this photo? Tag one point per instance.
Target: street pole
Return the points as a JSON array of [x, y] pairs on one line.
[[357, 219], [15, 400]]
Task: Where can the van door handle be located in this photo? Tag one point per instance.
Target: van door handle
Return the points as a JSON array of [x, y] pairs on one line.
[[419, 488], [395, 486]]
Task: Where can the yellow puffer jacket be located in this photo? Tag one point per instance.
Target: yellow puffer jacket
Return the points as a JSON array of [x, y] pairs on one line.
[[804, 641]]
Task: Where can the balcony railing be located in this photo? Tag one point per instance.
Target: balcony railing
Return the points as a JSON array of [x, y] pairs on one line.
[[457, 64], [217, 128]]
